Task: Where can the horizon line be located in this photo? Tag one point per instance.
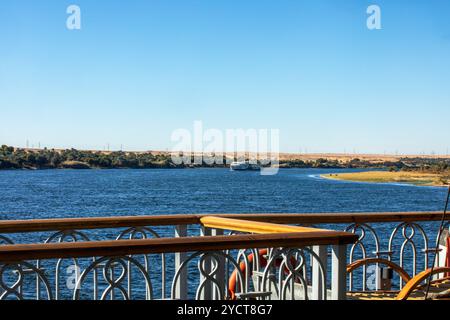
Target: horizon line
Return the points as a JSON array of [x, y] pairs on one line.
[[310, 154]]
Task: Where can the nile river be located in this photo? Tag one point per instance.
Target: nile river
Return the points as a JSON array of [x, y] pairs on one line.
[[89, 193], [95, 193]]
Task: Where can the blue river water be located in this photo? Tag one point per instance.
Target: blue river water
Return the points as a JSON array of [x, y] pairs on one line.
[[95, 193], [89, 193]]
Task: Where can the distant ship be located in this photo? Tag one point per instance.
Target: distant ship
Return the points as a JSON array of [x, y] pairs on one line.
[[243, 165]]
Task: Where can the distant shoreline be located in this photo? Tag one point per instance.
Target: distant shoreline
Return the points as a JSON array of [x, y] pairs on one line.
[[373, 157], [39, 159], [402, 177]]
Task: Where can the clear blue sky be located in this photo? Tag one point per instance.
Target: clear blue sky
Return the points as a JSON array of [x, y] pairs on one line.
[[137, 70]]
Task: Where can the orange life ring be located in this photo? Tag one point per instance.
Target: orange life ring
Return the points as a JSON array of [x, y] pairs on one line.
[[242, 268]]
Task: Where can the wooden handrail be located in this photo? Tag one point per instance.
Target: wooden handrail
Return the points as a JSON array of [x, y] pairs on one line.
[[252, 226], [412, 284], [367, 261], [336, 217], [37, 225], [22, 252]]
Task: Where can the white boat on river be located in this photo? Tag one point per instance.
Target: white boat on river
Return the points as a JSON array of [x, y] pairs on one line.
[[243, 165]]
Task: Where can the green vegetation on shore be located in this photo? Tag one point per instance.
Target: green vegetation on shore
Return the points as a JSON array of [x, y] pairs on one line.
[[17, 158]]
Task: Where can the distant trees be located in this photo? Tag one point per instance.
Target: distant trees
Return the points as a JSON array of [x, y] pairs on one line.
[[16, 158], [5, 149], [11, 158]]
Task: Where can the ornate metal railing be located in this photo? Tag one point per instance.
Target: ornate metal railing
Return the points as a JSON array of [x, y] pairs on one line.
[[405, 239], [208, 261]]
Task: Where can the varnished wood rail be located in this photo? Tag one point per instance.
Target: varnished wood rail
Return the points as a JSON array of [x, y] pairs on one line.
[[23, 252], [37, 225], [252, 226]]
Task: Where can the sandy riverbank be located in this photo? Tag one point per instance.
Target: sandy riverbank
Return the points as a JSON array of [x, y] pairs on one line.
[[415, 178]]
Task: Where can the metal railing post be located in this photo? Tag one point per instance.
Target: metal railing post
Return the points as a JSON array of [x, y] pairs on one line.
[[319, 288], [220, 273], [338, 272], [206, 293], [181, 292]]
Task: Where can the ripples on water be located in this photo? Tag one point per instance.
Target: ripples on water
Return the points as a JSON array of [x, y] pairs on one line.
[[84, 193], [95, 193]]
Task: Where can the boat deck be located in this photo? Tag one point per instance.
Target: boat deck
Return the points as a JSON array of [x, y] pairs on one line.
[[419, 294]]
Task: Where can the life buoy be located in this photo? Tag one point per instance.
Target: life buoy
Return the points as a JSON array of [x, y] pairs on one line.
[[242, 268]]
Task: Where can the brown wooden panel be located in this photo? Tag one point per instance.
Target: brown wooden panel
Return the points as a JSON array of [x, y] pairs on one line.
[[15, 226], [317, 218], [252, 226], [12, 226], [21, 252]]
